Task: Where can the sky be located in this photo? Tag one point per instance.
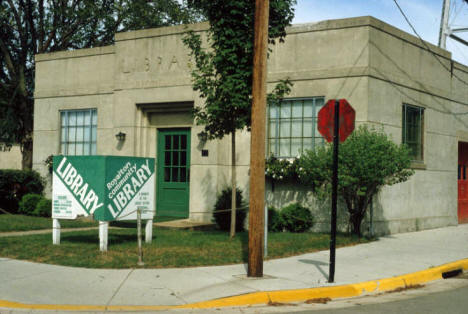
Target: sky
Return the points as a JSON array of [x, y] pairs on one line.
[[425, 16]]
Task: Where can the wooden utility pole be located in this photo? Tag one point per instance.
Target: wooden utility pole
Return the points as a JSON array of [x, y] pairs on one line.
[[257, 142]]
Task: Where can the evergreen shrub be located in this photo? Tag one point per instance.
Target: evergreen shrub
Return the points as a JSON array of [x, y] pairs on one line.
[[28, 204], [43, 208], [274, 221], [223, 203], [296, 218], [14, 184]]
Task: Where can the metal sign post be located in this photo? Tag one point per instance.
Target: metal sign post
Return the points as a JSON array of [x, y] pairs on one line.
[[331, 277], [140, 250], [335, 123]]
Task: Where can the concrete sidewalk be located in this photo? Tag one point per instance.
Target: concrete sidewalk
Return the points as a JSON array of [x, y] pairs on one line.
[[33, 283]]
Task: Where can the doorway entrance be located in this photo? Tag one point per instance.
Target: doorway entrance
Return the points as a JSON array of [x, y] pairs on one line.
[[462, 182], [173, 159]]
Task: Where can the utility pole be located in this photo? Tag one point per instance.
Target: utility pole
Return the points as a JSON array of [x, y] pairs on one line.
[[444, 28], [446, 31], [257, 141]]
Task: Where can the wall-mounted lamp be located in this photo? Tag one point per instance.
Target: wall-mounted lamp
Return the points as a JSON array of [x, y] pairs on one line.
[[120, 136], [202, 137]]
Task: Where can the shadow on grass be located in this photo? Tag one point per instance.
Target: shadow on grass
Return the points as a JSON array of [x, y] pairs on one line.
[[133, 223], [94, 238]]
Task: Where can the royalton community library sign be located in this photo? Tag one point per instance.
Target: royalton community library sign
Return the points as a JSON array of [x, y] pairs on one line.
[[107, 187]]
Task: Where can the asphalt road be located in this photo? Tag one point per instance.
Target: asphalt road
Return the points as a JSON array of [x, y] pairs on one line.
[[453, 301], [442, 296], [447, 296]]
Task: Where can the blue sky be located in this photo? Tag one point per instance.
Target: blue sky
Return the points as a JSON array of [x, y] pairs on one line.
[[424, 15]]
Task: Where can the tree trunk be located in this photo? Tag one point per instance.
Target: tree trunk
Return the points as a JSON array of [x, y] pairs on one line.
[[233, 184], [26, 154], [356, 219]]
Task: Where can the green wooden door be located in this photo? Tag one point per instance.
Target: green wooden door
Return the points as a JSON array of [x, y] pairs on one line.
[[173, 172]]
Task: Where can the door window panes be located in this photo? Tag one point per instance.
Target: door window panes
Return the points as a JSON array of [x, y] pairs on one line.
[[175, 158]]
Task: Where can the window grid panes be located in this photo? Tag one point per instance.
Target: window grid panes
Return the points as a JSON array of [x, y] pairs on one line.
[[78, 132], [175, 158], [292, 127], [412, 134]]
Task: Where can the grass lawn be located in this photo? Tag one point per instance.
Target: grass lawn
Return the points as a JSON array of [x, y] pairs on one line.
[[170, 248], [25, 223]]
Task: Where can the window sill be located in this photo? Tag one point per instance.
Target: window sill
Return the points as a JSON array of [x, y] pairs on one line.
[[418, 165]]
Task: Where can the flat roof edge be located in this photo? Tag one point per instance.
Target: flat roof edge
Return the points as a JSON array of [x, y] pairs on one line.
[[78, 53], [162, 31], [363, 21]]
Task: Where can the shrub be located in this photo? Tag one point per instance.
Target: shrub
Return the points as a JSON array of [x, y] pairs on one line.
[[274, 221], [223, 218], [28, 204], [43, 208], [296, 218], [368, 160], [14, 184]]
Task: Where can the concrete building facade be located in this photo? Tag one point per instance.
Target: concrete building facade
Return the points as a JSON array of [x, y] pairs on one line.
[[10, 156], [141, 87]]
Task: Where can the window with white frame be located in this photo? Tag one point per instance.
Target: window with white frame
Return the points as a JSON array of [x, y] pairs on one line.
[[413, 128], [292, 127], [78, 132]]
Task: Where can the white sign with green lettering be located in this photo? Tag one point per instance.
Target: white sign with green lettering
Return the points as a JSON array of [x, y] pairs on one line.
[[107, 187]]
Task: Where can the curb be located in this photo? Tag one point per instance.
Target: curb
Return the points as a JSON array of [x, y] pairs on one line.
[[279, 296]]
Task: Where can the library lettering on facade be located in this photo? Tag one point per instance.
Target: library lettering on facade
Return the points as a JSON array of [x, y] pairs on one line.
[[140, 89]]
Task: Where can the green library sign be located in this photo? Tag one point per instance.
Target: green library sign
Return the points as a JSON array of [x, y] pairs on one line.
[[107, 187]]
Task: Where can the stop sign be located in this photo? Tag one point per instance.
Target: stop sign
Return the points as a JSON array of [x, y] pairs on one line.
[[326, 120]]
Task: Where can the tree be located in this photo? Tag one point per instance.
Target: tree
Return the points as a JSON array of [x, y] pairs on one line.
[[31, 27], [223, 70], [368, 160]]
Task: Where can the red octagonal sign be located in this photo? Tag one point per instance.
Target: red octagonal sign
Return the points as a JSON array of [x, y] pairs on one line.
[[326, 120]]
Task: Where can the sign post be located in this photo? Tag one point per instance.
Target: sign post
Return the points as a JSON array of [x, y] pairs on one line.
[[107, 187], [335, 122]]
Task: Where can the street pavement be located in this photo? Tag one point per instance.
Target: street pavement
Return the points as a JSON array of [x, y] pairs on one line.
[[393, 255]]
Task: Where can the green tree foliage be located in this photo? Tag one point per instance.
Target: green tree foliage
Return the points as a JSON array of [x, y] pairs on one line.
[[368, 160], [31, 27], [222, 72]]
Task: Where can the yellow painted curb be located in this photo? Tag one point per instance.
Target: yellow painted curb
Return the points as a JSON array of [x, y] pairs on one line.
[[265, 297]]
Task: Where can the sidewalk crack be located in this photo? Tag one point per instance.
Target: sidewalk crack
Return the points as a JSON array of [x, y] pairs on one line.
[[175, 294], [119, 287]]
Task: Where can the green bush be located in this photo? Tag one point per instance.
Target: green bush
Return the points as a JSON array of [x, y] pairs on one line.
[[368, 160], [274, 221], [28, 204], [223, 219], [296, 218], [14, 184], [43, 208]]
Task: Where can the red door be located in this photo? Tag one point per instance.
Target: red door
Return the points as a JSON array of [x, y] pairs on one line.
[[462, 182]]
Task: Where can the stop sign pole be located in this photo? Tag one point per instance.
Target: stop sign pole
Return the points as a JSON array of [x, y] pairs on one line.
[[336, 141], [335, 126]]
